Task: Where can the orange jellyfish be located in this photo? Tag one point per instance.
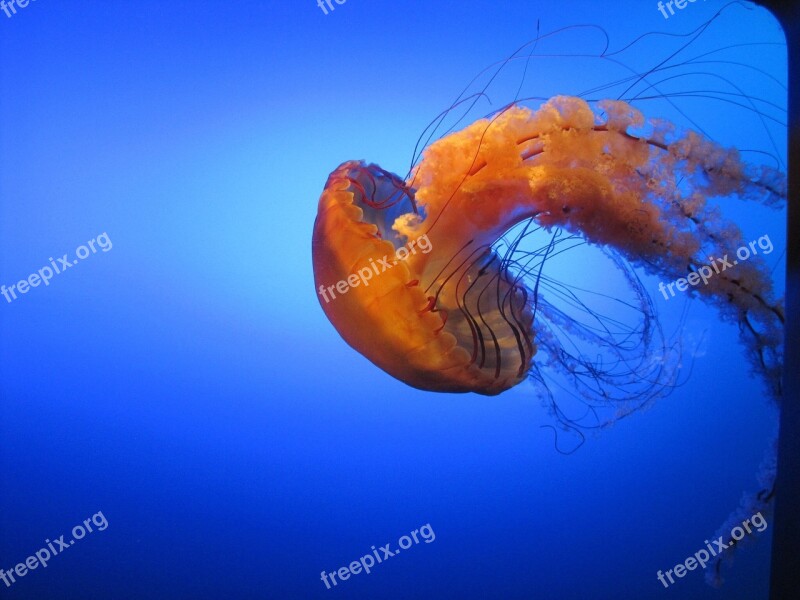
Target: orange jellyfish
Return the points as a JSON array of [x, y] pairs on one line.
[[462, 317]]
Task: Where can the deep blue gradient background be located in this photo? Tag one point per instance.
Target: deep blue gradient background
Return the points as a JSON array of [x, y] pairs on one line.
[[187, 383]]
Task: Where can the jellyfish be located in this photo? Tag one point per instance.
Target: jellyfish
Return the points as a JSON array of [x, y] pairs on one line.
[[460, 318], [480, 312]]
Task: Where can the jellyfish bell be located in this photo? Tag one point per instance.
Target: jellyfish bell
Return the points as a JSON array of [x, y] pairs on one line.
[[386, 314]]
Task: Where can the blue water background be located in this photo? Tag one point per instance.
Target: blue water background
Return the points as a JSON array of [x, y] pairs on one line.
[[187, 383]]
